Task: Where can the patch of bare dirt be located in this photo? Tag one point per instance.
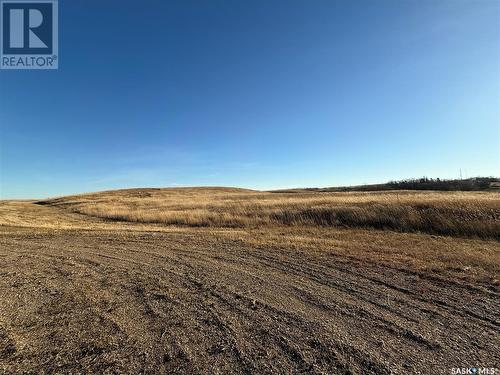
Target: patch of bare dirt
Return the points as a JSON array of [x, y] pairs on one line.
[[109, 301]]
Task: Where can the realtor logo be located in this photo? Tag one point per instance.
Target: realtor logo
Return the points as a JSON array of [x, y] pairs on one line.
[[29, 34]]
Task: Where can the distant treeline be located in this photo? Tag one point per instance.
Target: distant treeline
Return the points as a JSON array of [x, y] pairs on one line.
[[425, 183]]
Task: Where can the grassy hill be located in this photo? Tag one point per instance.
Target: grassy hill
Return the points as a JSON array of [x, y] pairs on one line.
[[466, 214]]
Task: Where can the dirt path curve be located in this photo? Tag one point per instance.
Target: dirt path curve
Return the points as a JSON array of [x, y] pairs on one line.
[[117, 301]]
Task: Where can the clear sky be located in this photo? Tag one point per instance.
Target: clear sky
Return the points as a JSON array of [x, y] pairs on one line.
[[257, 93]]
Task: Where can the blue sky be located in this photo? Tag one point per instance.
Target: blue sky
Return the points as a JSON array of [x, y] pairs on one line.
[[261, 94]]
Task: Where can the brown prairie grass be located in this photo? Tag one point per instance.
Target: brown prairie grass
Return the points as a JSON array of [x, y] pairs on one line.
[[465, 214]]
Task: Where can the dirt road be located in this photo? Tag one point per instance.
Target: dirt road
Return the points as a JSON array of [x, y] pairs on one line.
[[108, 301]]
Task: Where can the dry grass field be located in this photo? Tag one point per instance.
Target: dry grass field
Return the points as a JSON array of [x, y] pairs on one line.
[[217, 281], [471, 214]]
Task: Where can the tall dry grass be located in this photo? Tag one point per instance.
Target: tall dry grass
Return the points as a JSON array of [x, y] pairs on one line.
[[468, 214]]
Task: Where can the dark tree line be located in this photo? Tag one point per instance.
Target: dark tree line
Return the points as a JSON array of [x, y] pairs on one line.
[[425, 183]]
